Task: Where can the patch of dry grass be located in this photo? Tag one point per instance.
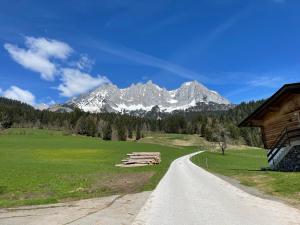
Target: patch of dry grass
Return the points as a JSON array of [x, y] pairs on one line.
[[175, 140]]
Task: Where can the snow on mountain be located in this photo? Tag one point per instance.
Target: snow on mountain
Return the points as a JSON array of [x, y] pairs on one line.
[[109, 97]]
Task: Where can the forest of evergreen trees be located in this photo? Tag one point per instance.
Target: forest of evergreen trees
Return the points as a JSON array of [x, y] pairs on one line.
[[211, 125]]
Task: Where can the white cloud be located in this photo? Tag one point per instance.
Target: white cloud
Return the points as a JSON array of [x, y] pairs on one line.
[[85, 63], [75, 82], [32, 61], [267, 81], [48, 48], [37, 54], [52, 102], [19, 94], [261, 82]]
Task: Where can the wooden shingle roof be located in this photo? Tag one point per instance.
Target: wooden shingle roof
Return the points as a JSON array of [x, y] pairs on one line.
[[253, 120]]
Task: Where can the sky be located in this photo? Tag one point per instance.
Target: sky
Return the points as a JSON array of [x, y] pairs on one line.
[[51, 51]]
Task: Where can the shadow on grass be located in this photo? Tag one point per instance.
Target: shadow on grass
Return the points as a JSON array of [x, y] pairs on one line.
[[249, 170], [262, 170]]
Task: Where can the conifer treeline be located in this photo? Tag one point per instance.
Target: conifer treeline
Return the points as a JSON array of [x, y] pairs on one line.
[[210, 124]]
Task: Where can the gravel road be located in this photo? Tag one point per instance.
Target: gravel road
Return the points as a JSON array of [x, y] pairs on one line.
[[111, 210], [189, 195]]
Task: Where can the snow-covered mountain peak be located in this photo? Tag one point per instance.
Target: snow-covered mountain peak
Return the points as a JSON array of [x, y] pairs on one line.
[[193, 84], [144, 96], [190, 83]]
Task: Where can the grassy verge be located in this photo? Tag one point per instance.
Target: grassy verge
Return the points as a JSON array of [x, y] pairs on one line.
[[42, 166], [245, 166]]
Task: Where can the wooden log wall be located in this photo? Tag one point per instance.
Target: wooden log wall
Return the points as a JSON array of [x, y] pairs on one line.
[[276, 121]]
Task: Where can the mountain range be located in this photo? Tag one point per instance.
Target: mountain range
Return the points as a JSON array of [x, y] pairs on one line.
[[145, 96]]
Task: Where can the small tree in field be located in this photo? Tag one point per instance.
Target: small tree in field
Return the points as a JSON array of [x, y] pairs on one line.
[[223, 142]]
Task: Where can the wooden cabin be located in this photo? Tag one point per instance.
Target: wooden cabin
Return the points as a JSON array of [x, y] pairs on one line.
[[279, 120]]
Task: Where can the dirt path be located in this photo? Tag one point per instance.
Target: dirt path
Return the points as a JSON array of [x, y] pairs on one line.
[[190, 195], [112, 210]]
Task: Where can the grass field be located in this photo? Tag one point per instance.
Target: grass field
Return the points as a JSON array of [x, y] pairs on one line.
[[245, 166], [42, 166], [175, 140]]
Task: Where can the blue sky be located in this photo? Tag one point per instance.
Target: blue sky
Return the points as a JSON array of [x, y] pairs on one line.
[[53, 50]]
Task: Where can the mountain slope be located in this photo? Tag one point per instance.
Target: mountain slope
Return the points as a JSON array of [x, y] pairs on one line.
[[139, 96]]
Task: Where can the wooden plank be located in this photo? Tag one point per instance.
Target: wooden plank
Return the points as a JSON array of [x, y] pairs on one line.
[[145, 153], [142, 158]]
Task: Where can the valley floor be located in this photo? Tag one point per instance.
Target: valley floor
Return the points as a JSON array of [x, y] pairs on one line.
[[45, 166]]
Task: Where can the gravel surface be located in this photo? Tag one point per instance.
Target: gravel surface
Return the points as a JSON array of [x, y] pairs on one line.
[[189, 195], [112, 210]]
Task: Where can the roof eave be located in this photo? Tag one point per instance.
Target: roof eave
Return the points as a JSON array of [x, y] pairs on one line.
[[247, 122]]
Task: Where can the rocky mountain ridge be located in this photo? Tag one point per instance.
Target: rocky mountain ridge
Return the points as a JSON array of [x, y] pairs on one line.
[[145, 96]]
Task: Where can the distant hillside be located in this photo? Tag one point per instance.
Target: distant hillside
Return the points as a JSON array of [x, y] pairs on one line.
[[14, 112], [10, 103]]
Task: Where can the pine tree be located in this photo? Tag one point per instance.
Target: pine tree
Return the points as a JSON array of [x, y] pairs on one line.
[[121, 131], [107, 132], [138, 134], [90, 127], [130, 133]]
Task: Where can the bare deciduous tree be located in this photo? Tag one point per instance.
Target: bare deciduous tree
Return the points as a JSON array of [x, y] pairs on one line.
[[223, 142]]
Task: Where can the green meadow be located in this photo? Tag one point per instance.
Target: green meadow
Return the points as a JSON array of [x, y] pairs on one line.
[[43, 166], [246, 166]]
